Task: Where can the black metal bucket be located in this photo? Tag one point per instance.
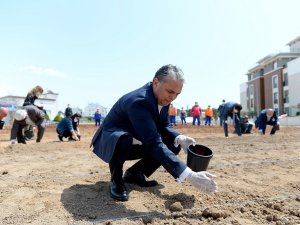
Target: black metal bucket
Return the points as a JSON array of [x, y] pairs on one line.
[[198, 157]]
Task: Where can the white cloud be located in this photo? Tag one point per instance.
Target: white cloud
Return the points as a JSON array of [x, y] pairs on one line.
[[43, 71]]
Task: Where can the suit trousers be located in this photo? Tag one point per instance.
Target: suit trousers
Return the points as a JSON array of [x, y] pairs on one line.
[[126, 151], [236, 122]]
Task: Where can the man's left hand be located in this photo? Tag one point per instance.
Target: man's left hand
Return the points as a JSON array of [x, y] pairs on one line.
[[185, 142]]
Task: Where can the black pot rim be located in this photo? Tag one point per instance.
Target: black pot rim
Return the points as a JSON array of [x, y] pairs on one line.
[[204, 156]]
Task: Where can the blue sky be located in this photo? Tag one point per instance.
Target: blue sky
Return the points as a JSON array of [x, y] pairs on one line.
[[96, 51]]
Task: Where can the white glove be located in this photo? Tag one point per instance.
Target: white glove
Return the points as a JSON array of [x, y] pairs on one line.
[[225, 121], [185, 142], [203, 181]]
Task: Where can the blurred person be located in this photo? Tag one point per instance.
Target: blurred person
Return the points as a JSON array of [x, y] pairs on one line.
[[29, 115], [246, 125], [183, 116], [208, 115], [97, 118], [231, 109], [196, 114], [65, 129], [68, 111], [31, 96], [267, 117], [3, 114], [220, 111], [137, 127], [75, 123], [172, 115]]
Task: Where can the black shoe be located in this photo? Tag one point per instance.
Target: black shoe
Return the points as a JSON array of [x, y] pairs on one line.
[[139, 179], [118, 191], [60, 138]]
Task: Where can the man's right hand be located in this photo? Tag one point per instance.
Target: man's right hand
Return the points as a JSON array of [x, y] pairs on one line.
[[203, 181]]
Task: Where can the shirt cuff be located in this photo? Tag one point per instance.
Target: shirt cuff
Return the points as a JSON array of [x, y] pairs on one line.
[[184, 175]]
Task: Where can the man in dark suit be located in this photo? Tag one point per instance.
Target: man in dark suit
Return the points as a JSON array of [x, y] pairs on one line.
[[267, 117], [232, 110], [137, 127]]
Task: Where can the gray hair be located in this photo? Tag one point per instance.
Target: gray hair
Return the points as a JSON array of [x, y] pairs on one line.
[[169, 71]]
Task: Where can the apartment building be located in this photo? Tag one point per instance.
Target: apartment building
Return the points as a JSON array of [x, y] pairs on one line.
[[269, 82]]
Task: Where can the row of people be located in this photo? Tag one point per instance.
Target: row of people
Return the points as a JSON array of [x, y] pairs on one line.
[[30, 115], [242, 125], [195, 112], [230, 109]]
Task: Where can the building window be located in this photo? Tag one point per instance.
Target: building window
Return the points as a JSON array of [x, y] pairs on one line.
[[286, 96], [275, 98], [285, 79], [251, 90], [287, 110], [275, 81], [251, 103], [275, 65]]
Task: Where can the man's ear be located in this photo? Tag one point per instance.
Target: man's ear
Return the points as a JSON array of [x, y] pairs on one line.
[[155, 82]]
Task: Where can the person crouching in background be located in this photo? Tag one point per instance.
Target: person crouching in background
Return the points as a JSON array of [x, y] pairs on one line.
[[65, 129], [29, 115], [75, 123]]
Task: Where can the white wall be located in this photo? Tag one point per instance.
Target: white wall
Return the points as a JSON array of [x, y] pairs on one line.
[[243, 96], [290, 121], [293, 69]]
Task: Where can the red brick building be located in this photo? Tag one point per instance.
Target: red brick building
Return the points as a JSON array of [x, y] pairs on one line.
[[266, 81]]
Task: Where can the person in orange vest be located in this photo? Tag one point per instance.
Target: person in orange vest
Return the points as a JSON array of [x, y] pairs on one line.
[[172, 115], [196, 113], [208, 115]]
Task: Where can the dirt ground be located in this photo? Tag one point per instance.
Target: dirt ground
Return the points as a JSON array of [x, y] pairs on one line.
[[65, 183]]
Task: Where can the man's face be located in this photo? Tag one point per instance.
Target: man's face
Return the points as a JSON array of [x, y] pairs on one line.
[[270, 113], [166, 92]]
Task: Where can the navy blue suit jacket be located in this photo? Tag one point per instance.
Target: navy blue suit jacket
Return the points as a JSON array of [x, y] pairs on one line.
[[227, 110], [136, 114], [262, 120]]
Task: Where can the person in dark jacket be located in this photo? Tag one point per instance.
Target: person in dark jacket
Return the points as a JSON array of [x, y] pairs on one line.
[[65, 129], [68, 111], [97, 117], [220, 111], [246, 125], [231, 109], [30, 115], [32, 95], [137, 127], [267, 117], [75, 123]]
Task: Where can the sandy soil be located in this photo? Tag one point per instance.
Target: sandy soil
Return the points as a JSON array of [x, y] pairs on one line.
[[65, 183]]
